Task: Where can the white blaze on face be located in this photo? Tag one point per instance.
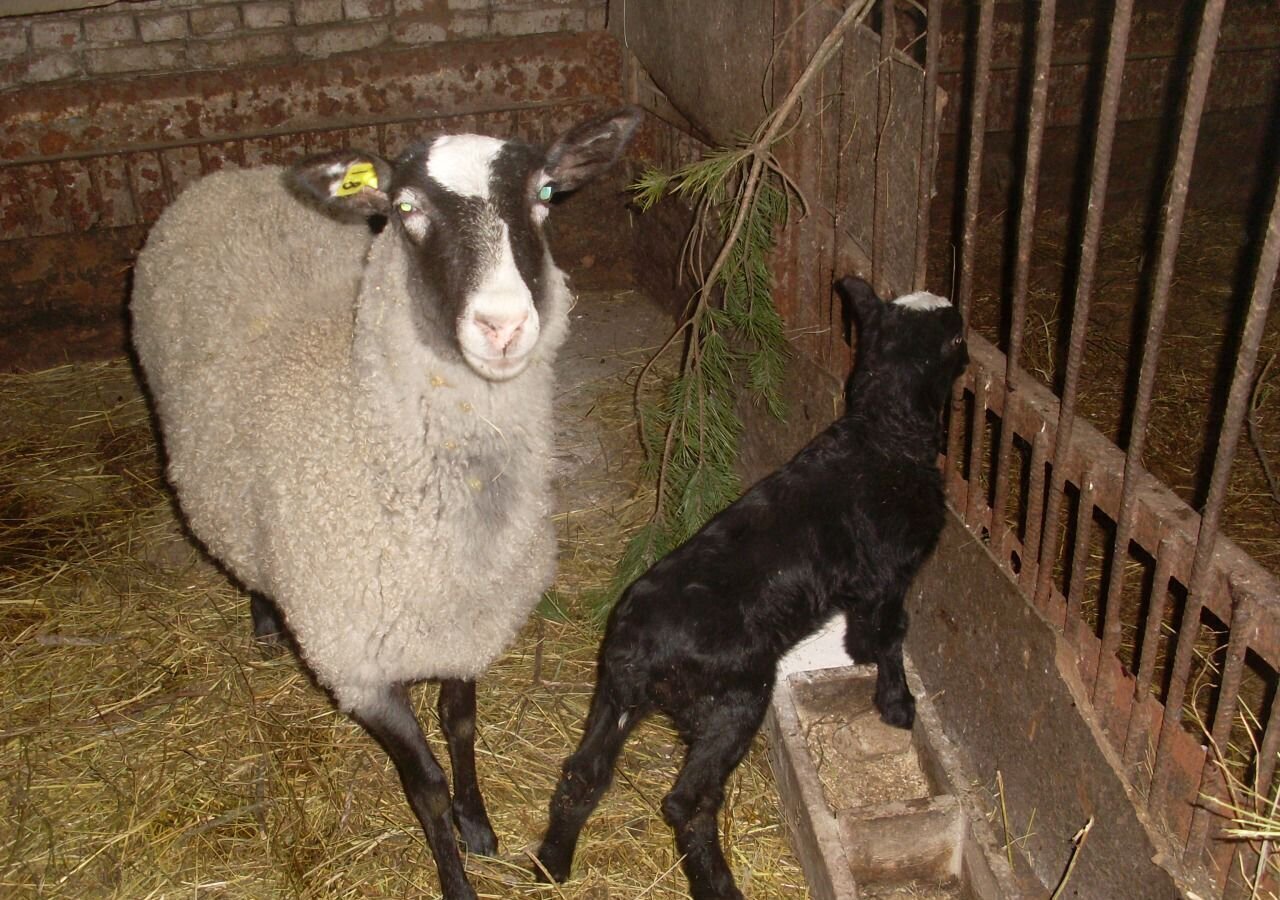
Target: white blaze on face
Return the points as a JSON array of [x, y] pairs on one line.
[[498, 325], [461, 163], [922, 301]]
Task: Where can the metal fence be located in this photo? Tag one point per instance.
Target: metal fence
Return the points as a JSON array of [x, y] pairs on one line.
[[1175, 630]]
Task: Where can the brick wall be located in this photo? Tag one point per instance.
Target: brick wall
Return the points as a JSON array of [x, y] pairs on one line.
[[106, 114], [154, 36]]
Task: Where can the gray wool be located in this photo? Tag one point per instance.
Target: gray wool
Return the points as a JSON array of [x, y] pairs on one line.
[[394, 504]]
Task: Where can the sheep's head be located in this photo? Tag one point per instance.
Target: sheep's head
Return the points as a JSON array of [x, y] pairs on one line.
[[914, 345], [470, 211]]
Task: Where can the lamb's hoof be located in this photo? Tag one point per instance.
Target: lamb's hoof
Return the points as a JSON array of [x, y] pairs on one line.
[[551, 867], [475, 834], [899, 713]]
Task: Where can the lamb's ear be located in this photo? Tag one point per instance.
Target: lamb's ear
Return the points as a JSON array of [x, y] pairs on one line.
[[587, 149], [346, 184], [861, 299]]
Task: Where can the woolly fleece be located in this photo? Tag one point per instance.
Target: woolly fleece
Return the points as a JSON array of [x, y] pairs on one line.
[[394, 504]]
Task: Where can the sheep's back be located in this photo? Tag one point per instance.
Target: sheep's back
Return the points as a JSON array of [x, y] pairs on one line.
[[242, 304]]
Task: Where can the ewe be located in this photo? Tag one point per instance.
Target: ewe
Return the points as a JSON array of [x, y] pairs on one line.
[[358, 425], [843, 527]]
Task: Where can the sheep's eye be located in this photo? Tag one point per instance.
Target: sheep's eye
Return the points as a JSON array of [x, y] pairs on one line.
[[545, 192], [405, 206]]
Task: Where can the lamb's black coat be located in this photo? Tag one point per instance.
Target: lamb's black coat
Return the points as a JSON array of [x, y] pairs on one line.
[[843, 527]]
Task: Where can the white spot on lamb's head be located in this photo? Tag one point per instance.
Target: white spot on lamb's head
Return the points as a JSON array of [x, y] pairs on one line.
[[922, 301], [463, 163]]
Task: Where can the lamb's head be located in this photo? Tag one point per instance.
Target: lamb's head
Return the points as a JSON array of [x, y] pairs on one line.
[[469, 210], [912, 347]]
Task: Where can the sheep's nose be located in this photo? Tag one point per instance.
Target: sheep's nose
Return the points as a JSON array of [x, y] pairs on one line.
[[501, 332]]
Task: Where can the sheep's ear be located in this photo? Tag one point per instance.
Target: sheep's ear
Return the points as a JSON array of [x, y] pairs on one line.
[[587, 149], [346, 184], [861, 299]]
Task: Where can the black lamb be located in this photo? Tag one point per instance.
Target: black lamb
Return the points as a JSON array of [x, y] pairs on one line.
[[844, 526]]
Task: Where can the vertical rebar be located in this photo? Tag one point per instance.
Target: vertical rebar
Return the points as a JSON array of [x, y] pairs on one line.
[[1079, 560], [972, 192], [1022, 269], [1233, 422], [977, 441], [1105, 138], [884, 110], [1171, 233], [1239, 634], [1035, 508], [928, 143], [1136, 734]]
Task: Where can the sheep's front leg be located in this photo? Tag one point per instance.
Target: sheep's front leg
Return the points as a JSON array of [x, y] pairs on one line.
[[457, 708], [893, 697], [392, 724]]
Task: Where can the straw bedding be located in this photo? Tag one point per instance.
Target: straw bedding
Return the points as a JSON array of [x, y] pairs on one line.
[[149, 749]]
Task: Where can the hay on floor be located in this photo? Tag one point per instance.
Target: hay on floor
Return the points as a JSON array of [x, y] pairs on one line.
[[148, 748]]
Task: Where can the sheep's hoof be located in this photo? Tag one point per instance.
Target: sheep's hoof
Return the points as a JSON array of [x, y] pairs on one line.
[[551, 867], [899, 714], [475, 834]]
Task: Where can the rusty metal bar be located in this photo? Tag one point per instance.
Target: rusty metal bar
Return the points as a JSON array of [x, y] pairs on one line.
[[1108, 113], [1136, 734], [928, 142], [1035, 507], [977, 442], [1022, 269], [972, 192], [1239, 634], [1079, 560], [1202, 569], [1269, 750], [1175, 208], [884, 97]]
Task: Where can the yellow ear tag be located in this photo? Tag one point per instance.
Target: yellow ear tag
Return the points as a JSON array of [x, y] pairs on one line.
[[358, 176]]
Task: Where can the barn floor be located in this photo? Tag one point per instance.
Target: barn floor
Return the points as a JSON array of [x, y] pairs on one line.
[[147, 748]]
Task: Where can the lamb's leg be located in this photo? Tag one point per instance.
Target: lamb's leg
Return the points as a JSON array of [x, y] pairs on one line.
[[392, 724], [893, 697], [457, 708], [585, 777], [268, 630], [718, 731]]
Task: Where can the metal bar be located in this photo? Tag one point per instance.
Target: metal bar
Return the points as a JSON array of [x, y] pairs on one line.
[[1022, 268], [1202, 569], [1104, 140], [884, 96], [1035, 509], [972, 191], [1136, 734], [1079, 560], [1269, 750], [977, 442], [928, 142], [1239, 634], [1171, 233]]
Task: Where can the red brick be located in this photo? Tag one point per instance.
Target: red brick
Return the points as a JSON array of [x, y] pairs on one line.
[[168, 26], [55, 34], [214, 20], [340, 39], [111, 186], [146, 178], [76, 201], [240, 49], [113, 29], [181, 166]]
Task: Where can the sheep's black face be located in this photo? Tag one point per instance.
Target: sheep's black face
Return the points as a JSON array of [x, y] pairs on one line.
[[471, 209]]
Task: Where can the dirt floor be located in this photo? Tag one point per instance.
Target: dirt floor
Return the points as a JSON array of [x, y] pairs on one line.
[[148, 748]]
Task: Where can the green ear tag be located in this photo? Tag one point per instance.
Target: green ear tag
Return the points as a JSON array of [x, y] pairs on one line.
[[358, 176], [545, 192]]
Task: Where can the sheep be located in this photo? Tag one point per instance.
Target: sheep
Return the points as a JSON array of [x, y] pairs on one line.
[[843, 527], [350, 363]]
